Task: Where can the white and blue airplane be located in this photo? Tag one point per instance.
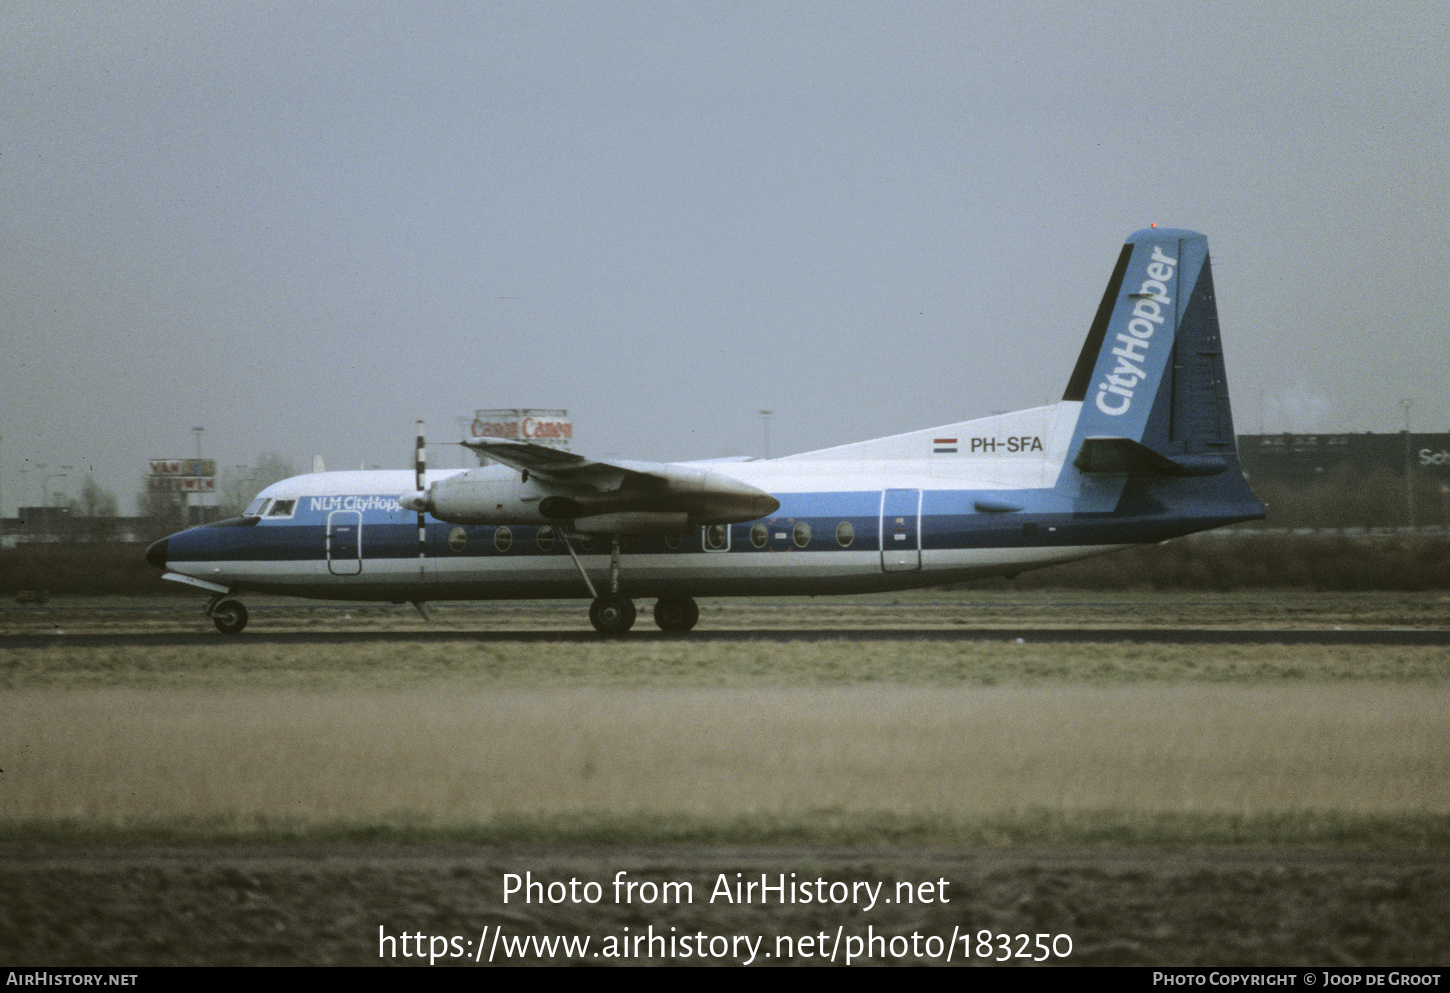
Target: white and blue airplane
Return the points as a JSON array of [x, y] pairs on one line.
[[1140, 449]]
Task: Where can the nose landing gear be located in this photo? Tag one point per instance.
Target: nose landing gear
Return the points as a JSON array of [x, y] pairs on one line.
[[229, 615]]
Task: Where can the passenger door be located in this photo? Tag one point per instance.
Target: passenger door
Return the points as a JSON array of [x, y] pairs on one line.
[[900, 530], [344, 542]]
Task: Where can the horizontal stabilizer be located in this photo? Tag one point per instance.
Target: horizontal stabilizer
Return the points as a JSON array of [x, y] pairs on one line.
[[1123, 455], [996, 507]]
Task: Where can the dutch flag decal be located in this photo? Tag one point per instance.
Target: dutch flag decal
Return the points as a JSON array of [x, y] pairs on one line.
[[944, 445]]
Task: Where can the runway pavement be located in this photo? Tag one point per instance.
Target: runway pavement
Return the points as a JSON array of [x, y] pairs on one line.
[[1155, 635]]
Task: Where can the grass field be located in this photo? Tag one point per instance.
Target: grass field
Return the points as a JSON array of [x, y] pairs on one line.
[[455, 757], [829, 740]]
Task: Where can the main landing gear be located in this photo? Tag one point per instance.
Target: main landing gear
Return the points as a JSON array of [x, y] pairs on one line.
[[676, 613], [228, 614], [614, 613]]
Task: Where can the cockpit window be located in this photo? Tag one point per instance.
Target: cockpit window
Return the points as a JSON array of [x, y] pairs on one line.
[[282, 508], [254, 509]]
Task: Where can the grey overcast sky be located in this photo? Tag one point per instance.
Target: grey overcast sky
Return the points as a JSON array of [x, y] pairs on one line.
[[303, 226]]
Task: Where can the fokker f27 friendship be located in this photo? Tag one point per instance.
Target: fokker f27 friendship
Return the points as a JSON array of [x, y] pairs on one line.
[[1140, 449]]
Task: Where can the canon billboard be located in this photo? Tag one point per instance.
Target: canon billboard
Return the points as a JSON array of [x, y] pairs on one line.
[[540, 427]]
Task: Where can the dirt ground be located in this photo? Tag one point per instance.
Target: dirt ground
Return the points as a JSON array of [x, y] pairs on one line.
[[321, 905]]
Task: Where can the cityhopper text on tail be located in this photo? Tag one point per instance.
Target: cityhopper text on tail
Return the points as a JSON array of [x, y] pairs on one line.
[[1140, 449]]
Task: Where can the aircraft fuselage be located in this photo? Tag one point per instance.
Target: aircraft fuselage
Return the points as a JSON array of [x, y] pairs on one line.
[[344, 536]]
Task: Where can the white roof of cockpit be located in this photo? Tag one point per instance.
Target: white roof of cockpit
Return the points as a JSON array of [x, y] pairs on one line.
[[393, 482]]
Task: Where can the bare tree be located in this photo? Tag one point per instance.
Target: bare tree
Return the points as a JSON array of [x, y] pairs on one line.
[[93, 517], [161, 508], [95, 501], [234, 490], [270, 468]]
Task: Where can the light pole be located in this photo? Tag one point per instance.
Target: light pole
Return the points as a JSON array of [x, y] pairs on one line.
[[195, 472], [463, 423], [1407, 403], [765, 429]]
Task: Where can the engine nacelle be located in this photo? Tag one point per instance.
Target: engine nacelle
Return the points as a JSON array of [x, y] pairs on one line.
[[481, 497]]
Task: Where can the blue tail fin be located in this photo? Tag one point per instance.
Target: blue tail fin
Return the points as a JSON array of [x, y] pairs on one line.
[[1151, 370], [1154, 442]]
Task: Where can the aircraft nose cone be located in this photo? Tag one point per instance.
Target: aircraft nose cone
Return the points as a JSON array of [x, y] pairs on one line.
[[156, 553]]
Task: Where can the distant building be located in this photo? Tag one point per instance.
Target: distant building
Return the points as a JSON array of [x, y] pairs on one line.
[[42, 523], [63, 524], [1303, 459]]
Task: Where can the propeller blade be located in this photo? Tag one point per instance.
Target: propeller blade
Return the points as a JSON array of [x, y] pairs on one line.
[[420, 469]]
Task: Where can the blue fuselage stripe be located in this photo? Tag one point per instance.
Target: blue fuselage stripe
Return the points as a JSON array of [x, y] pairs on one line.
[[948, 521]]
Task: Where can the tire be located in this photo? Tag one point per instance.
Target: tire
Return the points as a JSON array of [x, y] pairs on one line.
[[612, 614], [229, 616], [676, 614]]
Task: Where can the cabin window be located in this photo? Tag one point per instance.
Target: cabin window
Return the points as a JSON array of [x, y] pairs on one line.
[[845, 534], [715, 536], [282, 508], [759, 535], [545, 538], [503, 539], [672, 541], [801, 535], [586, 542]]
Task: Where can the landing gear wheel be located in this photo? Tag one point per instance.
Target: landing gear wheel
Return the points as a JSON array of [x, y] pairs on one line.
[[229, 616], [676, 613], [612, 614]]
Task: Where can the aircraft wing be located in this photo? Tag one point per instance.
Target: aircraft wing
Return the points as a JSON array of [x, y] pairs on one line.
[[564, 485], [569, 469]]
